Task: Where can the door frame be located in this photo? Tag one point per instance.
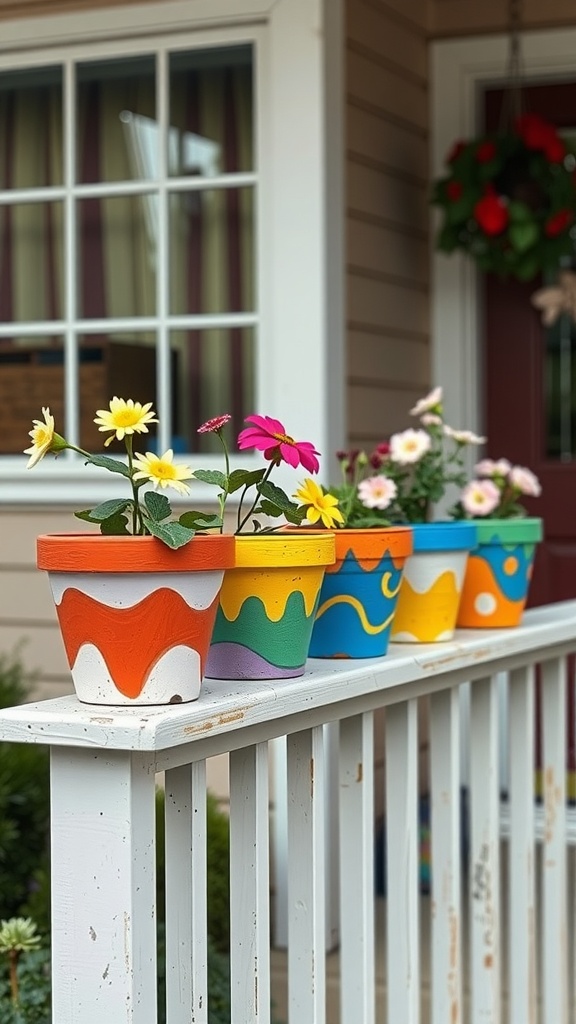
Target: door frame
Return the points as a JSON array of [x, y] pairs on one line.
[[460, 68]]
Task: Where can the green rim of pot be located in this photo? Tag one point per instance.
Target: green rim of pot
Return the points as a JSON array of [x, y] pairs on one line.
[[509, 531]]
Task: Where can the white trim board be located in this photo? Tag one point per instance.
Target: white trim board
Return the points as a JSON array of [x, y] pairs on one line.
[[459, 69]]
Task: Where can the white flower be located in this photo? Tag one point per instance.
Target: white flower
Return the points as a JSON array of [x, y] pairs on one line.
[[409, 446], [432, 403], [377, 492], [430, 419], [463, 436], [487, 467], [480, 497], [525, 481]]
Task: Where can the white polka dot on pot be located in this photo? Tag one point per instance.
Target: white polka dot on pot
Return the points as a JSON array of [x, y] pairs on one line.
[[485, 604]]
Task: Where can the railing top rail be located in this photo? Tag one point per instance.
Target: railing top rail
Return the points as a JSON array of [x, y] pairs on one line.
[[329, 690]]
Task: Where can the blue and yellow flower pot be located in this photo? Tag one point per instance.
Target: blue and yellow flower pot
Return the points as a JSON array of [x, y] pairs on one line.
[[267, 605], [499, 572], [359, 593], [433, 580]]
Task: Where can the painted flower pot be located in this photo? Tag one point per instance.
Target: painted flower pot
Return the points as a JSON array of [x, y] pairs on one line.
[[498, 574], [360, 592], [432, 583], [267, 606], [136, 617]]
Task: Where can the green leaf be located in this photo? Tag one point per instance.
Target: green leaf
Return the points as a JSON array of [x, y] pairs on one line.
[[244, 478], [276, 495], [519, 213], [200, 521], [268, 508], [295, 516], [173, 534], [158, 506], [211, 476], [108, 509], [104, 462], [523, 236], [115, 526]]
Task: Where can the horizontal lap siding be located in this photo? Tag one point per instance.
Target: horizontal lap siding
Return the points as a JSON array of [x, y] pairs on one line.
[[28, 622], [470, 17], [387, 214], [34, 8]]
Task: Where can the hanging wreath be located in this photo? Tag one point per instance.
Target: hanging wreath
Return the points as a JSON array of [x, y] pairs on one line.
[[509, 200]]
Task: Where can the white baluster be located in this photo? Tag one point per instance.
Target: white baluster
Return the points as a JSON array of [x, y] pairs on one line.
[[306, 887], [249, 885], [554, 909], [521, 763], [445, 849], [484, 861], [357, 869], [402, 863], [186, 942]]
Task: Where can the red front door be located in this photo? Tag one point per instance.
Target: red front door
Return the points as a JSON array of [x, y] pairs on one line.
[[530, 386]]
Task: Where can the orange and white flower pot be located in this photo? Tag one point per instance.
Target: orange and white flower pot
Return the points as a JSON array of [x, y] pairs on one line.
[[136, 617]]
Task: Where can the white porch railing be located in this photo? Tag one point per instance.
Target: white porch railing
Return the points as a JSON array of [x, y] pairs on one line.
[[104, 763]]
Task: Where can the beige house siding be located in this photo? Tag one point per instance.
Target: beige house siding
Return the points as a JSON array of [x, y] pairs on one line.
[[387, 214], [472, 17]]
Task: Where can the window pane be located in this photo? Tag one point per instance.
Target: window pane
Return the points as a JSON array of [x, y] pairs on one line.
[[211, 111], [31, 376], [213, 373], [31, 128], [560, 378], [117, 246], [31, 278], [122, 365], [212, 251], [110, 93]]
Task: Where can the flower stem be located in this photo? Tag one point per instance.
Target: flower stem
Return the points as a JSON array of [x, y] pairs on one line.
[[242, 523], [137, 523], [222, 498], [13, 957]]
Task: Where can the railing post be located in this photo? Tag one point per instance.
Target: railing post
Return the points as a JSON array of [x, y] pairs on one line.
[[103, 887]]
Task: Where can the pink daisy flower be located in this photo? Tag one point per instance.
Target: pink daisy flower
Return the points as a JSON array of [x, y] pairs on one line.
[[215, 424], [480, 497], [269, 436]]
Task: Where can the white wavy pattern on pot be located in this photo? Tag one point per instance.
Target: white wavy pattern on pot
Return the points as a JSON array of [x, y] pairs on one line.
[[409, 638], [424, 568], [175, 675], [197, 589]]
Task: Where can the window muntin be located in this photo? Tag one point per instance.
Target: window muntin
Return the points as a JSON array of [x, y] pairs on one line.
[[127, 256]]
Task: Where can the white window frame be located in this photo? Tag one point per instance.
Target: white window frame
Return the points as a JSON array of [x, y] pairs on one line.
[[298, 53]]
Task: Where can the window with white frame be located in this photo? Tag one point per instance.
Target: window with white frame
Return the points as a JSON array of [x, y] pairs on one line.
[[128, 262]]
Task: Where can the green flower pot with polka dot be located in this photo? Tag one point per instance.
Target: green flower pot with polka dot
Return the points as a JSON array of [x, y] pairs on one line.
[[498, 573]]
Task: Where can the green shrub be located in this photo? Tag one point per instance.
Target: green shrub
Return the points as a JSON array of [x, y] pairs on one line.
[[24, 811]]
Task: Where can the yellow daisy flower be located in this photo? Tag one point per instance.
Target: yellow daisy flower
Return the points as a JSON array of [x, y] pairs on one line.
[[319, 506], [125, 417], [161, 471], [44, 439]]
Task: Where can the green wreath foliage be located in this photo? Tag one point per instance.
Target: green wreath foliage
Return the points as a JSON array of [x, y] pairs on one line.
[[509, 200]]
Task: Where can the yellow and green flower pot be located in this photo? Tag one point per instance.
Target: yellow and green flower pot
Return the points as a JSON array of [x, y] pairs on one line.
[[360, 592], [267, 605], [136, 617], [432, 584], [499, 572]]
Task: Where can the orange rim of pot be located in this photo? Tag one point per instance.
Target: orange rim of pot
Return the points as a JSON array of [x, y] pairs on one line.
[[84, 552], [397, 540]]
